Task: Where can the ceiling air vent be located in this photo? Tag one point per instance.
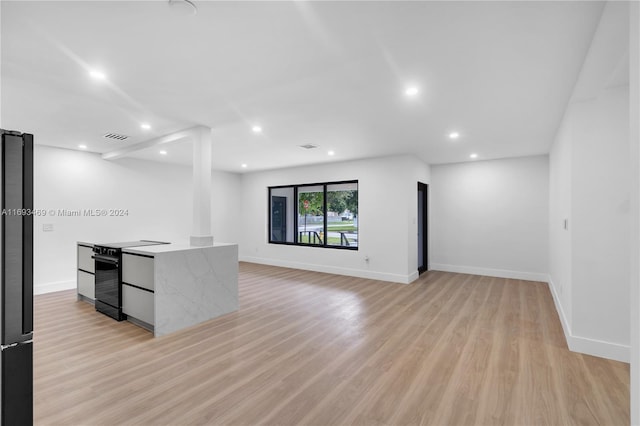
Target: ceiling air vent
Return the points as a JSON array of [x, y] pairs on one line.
[[308, 146], [115, 136]]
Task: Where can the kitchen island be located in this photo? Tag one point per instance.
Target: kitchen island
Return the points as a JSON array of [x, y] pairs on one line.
[[166, 288]]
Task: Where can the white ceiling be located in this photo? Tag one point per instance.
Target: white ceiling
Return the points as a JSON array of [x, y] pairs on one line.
[[326, 73]]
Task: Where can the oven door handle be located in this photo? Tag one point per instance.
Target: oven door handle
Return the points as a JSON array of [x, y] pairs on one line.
[[105, 259]]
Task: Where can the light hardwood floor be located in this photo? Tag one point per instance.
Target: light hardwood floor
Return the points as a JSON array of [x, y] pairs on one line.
[[307, 348]]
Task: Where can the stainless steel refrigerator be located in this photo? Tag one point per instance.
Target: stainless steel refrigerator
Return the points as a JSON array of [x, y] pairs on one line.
[[16, 287]]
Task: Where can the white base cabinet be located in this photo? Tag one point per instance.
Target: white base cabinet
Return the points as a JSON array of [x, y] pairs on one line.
[[138, 303], [85, 273], [137, 270], [86, 285], [138, 287]]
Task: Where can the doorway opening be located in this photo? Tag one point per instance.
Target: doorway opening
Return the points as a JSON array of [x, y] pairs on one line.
[[423, 227]]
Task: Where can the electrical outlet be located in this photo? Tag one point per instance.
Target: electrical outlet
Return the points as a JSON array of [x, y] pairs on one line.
[[47, 227]]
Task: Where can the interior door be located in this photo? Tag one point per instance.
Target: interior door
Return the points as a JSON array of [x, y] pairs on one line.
[[423, 227], [278, 218]]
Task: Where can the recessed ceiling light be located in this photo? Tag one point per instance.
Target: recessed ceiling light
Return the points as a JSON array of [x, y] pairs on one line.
[[82, 146], [163, 152], [473, 156], [97, 75], [145, 126], [244, 166], [411, 91], [331, 153], [256, 129], [454, 135]]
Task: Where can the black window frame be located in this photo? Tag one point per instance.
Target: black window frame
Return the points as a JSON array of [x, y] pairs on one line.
[[295, 215]]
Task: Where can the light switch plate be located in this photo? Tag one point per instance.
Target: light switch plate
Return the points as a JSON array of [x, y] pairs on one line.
[[47, 227]]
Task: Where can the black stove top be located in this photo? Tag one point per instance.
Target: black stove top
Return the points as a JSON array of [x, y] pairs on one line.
[[133, 244]]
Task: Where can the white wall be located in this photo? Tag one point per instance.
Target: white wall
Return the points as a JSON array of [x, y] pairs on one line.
[[225, 206], [590, 265], [491, 217], [590, 262], [600, 223], [158, 198], [560, 242], [387, 194], [634, 138]]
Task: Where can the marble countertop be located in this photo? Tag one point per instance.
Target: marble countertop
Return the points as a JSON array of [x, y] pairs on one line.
[[166, 248]]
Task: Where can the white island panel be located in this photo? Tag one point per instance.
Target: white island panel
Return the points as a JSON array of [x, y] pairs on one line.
[[194, 285]]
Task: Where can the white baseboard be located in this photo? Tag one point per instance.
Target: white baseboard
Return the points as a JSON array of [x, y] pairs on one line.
[[585, 345], [359, 273], [500, 273], [55, 286], [566, 325], [600, 348]]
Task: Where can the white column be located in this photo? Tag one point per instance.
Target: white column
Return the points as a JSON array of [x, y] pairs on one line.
[[201, 231]]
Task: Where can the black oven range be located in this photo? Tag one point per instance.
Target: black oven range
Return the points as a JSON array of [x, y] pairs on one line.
[[108, 276]]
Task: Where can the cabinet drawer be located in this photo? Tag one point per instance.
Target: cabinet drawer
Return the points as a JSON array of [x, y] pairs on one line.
[[84, 258], [137, 270], [138, 303], [86, 285]]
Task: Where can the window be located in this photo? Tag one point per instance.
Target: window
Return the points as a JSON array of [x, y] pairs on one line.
[[282, 215], [342, 213], [320, 215], [311, 215]]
